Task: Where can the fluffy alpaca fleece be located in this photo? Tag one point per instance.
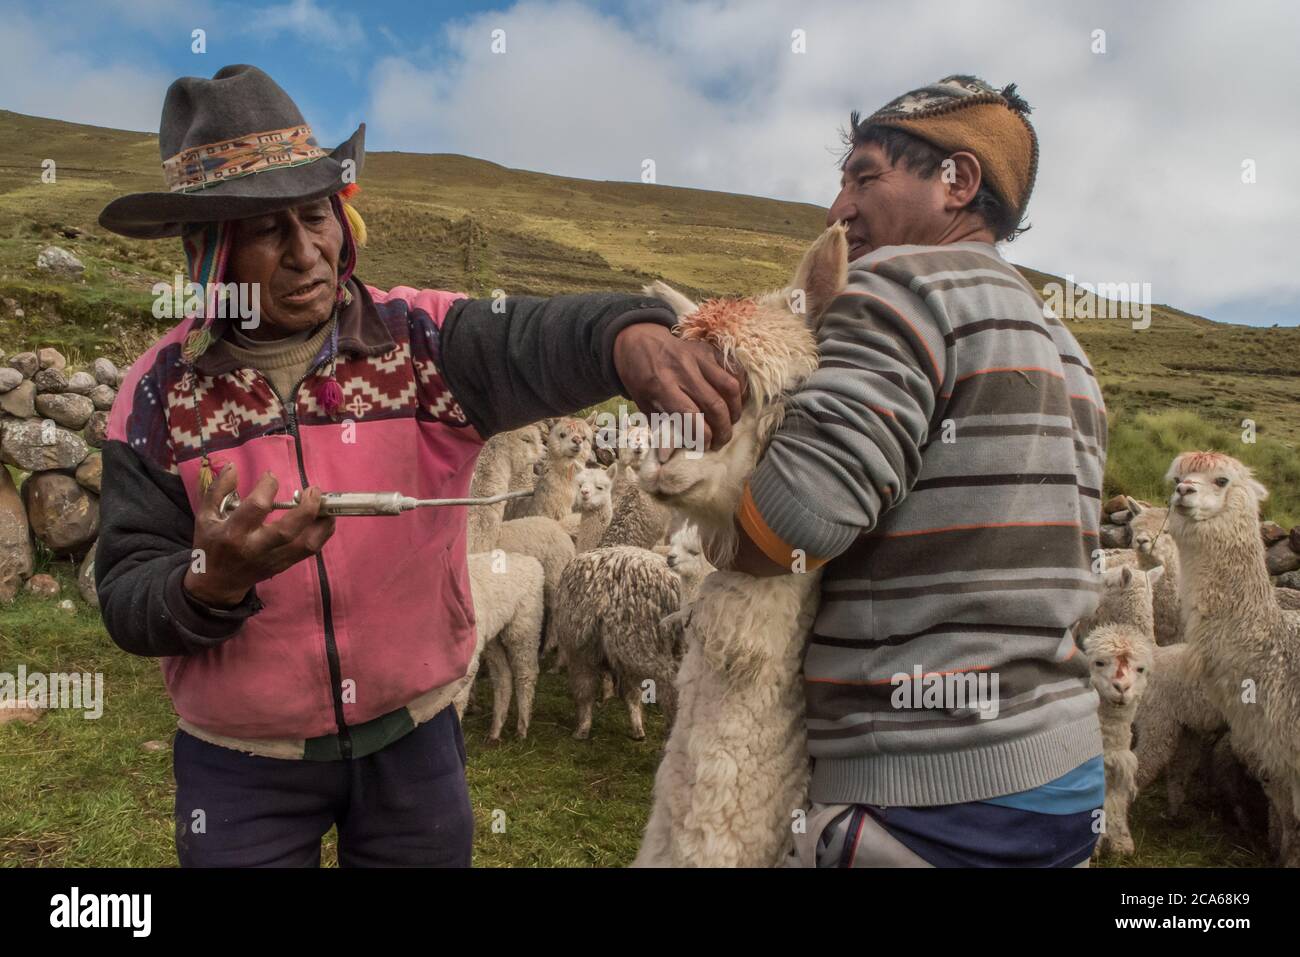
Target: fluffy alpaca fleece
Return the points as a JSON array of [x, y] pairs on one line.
[[638, 520], [1174, 719], [1120, 660], [609, 612], [1245, 651], [735, 768], [1155, 549], [544, 539], [502, 458], [568, 444], [595, 506], [634, 446], [1126, 599], [507, 591]]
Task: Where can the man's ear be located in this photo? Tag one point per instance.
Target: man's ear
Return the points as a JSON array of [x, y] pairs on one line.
[[823, 273], [961, 175]]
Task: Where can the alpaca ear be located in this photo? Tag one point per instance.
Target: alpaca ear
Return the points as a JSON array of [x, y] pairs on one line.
[[1261, 493], [1126, 576], [1133, 505], [822, 275], [1155, 574], [680, 304]]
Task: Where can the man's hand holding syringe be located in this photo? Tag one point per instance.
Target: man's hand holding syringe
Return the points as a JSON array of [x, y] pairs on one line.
[[241, 548]]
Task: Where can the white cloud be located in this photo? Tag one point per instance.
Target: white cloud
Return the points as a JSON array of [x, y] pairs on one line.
[[1141, 147]]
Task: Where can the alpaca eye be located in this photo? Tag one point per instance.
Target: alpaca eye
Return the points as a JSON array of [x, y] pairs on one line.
[[1141, 671], [1221, 482], [1099, 664]]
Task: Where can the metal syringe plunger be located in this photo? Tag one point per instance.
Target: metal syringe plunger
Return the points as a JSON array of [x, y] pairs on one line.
[[371, 503]]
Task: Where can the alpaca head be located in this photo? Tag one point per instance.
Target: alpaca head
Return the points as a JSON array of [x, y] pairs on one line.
[[593, 490], [568, 440], [633, 447], [685, 556], [1211, 490], [1149, 532], [1119, 662], [771, 338], [525, 446]]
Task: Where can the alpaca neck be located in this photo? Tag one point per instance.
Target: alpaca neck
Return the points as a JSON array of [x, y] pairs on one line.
[[1116, 725], [1224, 575], [592, 526]]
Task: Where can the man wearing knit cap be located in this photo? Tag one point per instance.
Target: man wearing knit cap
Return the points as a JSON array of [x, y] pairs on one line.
[[945, 465]]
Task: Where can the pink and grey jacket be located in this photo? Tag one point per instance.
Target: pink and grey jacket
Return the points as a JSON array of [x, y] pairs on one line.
[[345, 652]]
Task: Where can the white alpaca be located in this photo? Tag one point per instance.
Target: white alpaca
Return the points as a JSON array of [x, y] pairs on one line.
[[567, 446], [735, 769], [508, 598], [1120, 659], [502, 458], [1155, 549], [1244, 649], [595, 507]]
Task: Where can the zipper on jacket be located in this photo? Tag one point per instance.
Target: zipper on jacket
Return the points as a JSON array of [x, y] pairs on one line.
[[331, 643]]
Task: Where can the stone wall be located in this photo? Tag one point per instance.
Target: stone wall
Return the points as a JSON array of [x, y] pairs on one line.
[[53, 420]]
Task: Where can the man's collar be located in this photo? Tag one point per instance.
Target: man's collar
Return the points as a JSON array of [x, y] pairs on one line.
[[362, 332]]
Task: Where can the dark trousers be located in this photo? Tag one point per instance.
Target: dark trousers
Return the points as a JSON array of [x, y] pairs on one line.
[[405, 805]]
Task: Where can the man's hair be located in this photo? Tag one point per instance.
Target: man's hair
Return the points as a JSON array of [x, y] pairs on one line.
[[920, 157]]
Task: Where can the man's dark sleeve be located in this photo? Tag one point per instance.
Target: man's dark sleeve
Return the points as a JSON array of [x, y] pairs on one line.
[[144, 548], [535, 357]]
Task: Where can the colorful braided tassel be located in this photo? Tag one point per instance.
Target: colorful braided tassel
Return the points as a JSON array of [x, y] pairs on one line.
[[329, 395]]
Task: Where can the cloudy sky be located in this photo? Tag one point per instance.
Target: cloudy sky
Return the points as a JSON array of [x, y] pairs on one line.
[[1143, 145]]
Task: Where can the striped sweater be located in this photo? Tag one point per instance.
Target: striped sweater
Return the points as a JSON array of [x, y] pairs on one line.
[[945, 464]]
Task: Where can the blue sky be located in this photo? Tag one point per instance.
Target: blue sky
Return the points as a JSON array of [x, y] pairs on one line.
[[1142, 141]]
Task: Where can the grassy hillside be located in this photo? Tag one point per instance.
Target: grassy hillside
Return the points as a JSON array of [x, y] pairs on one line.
[[81, 793]]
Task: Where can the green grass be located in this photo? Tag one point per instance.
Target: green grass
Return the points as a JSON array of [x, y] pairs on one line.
[[1143, 445], [82, 793]]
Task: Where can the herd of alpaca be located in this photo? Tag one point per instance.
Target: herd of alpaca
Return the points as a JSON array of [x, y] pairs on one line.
[[1192, 654], [621, 569]]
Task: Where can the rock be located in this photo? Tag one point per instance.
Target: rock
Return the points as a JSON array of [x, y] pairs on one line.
[[153, 746], [86, 578], [91, 472], [58, 260], [96, 430], [15, 539], [70, 232], [1294, 538], [51, 358], [1122, 517], [1280, 558], [43, 586], [51, 380], [102, 397], [81, 383], [1115, 503], [20, 710], [1115, 536], [10, 379], [26, 363], [21, 400], [68, 410], [63, 514], [1271, 532], [35, 446], [1289, 580], [105, 372]]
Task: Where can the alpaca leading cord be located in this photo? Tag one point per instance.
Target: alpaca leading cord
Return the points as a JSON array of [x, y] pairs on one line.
[[371, 503]]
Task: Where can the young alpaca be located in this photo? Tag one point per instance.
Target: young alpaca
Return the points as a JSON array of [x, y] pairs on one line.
[[595, 508], [567, 446], [634, 446], [1121, 659], [507, 592], [1126, 599], [1155, 549], [1244, 649], [735, 768]]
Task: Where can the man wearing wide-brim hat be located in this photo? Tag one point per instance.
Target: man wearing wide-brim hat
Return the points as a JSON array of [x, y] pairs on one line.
[[312, 660]]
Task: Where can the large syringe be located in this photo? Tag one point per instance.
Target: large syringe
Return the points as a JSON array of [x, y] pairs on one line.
[[373, 503]]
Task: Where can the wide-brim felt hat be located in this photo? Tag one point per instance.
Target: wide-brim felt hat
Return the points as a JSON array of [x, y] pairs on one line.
[[232, 147]]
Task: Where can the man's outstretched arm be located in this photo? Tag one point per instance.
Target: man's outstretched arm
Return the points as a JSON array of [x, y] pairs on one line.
[[520, 359]]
